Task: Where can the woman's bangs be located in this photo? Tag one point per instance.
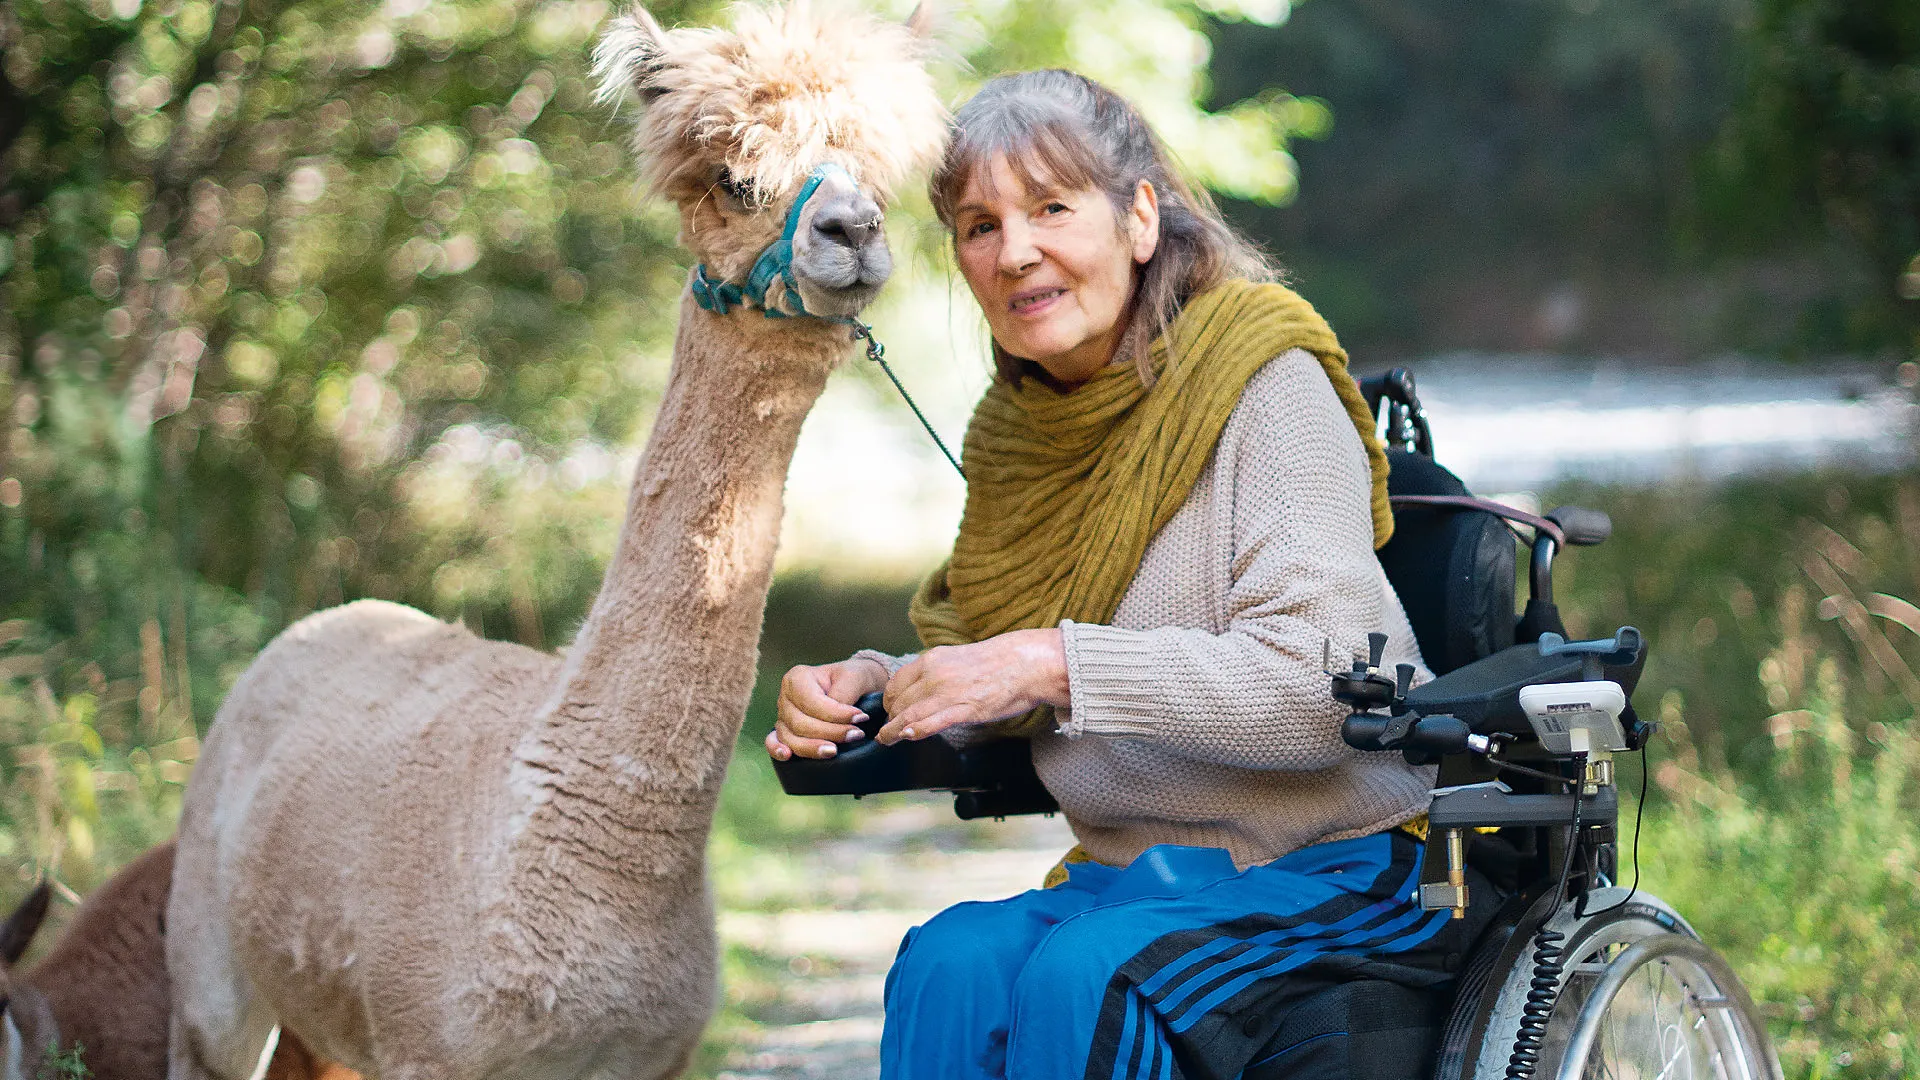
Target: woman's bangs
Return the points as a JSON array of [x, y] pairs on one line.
[[1042, 154]]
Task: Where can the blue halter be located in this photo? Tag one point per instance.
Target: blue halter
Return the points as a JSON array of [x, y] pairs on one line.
[[720, 297]]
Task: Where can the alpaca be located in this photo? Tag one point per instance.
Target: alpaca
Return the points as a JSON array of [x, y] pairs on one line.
[[102, 988], [436, 856]]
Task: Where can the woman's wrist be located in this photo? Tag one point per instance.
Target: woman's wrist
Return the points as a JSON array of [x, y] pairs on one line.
[[1045, 656]]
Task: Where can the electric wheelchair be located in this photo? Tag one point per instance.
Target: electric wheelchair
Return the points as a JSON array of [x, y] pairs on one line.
[[1565, 972]]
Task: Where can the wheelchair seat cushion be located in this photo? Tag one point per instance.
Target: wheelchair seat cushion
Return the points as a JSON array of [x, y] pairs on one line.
[[1453, 569]]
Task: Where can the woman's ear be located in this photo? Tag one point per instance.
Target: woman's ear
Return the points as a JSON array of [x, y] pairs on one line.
[[1145, 214]]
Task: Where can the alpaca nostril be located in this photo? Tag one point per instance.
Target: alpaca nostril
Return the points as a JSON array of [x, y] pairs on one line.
[[847, 225]]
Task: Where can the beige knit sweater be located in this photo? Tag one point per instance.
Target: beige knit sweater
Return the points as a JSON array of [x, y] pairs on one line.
[[1201, 715]]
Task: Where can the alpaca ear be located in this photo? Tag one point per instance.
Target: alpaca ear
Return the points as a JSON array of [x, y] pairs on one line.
[[630, 55], [17, 932], [920, 22]]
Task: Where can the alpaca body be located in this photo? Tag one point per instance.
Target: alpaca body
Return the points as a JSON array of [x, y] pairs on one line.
[[435, 857], [425, 698], [415, 869]]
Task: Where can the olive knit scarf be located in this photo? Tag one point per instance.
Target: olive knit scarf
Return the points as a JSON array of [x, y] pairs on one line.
[[1065, 490]]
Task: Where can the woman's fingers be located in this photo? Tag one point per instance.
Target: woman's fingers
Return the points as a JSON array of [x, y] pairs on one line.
[[776, 749], [958, 684], [809, 719], [785, 744], [807, 690], [916, 680], [815, 727], [911, 726]]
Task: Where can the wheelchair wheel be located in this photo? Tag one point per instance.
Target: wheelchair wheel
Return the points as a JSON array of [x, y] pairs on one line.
[[1667, 1006], [1639, 996]]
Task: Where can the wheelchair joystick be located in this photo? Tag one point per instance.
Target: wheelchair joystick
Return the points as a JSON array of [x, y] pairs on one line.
[[1364, 686], [874, 705]]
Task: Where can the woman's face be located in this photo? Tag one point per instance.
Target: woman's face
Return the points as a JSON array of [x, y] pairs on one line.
[[1052, 269]]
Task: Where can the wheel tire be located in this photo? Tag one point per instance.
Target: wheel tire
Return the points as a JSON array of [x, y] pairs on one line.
[[1666, 1006], [1480, 1040]]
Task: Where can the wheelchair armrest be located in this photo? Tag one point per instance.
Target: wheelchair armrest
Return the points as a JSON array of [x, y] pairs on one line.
[[991, 779], [1486, 693]]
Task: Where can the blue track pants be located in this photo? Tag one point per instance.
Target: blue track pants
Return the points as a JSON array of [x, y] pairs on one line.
[[1169, 969]]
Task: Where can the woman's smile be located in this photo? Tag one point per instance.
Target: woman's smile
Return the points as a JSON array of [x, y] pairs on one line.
[[1034, 303]]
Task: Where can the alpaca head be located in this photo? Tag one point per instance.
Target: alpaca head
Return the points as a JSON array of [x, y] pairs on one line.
[[732, 123]]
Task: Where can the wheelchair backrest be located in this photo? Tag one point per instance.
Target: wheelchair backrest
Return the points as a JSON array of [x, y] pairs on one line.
[[1453, 568]]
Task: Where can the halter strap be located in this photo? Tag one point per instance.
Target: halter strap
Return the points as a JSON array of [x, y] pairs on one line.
[[776, 261]]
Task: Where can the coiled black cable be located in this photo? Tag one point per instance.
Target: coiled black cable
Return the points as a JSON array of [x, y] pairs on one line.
[[1548, 966], [1549, 961]]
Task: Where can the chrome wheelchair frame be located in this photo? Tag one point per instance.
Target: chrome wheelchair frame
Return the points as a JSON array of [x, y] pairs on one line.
[[1569, 975]]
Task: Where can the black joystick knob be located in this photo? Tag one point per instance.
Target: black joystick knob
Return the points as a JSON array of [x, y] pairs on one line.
[[875, 706]]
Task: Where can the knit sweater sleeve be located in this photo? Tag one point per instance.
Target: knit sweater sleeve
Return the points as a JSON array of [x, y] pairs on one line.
[[1293, 489]]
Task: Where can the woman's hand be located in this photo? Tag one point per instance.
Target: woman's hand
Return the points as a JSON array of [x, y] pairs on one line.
[[816, 712], [976, 684]]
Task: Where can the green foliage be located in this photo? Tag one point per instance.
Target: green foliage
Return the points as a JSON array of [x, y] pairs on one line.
[[85, 792], [1787, 773], [1703, 571], [1832, 121], [302, 303], [69, 1064], [1682, 177]]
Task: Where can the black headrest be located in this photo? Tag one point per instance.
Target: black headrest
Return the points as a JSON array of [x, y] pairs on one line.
[[1453, 569]]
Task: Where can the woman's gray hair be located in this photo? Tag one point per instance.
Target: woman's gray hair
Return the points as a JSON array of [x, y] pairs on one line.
[[1057, 128]]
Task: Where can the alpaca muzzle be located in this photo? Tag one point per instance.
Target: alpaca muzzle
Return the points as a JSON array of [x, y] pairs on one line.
[[842, 245]]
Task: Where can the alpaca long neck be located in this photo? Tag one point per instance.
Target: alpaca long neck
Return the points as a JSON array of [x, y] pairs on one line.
[[635, 739]]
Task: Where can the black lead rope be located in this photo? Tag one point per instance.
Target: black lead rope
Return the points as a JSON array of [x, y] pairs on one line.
[[877, 353]]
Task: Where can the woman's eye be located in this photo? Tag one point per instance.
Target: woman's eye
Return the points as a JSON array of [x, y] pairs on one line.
[[1055, 207], [980, 228]]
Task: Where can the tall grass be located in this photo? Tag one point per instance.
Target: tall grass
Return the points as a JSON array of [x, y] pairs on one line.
[[1802, 862]]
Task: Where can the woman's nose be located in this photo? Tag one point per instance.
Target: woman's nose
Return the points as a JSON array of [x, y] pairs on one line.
[[1018, 253], [849, 222]]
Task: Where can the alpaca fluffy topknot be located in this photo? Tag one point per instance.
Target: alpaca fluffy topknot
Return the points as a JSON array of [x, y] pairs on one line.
[[788, 88]]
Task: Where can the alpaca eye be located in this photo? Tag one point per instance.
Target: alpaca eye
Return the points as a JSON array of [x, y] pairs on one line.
[[743, 190]]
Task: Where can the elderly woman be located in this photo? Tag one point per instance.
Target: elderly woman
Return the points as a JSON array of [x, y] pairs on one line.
[[1174, 497]]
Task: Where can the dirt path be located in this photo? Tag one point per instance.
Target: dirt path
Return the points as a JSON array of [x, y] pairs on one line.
[[809, 933]]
